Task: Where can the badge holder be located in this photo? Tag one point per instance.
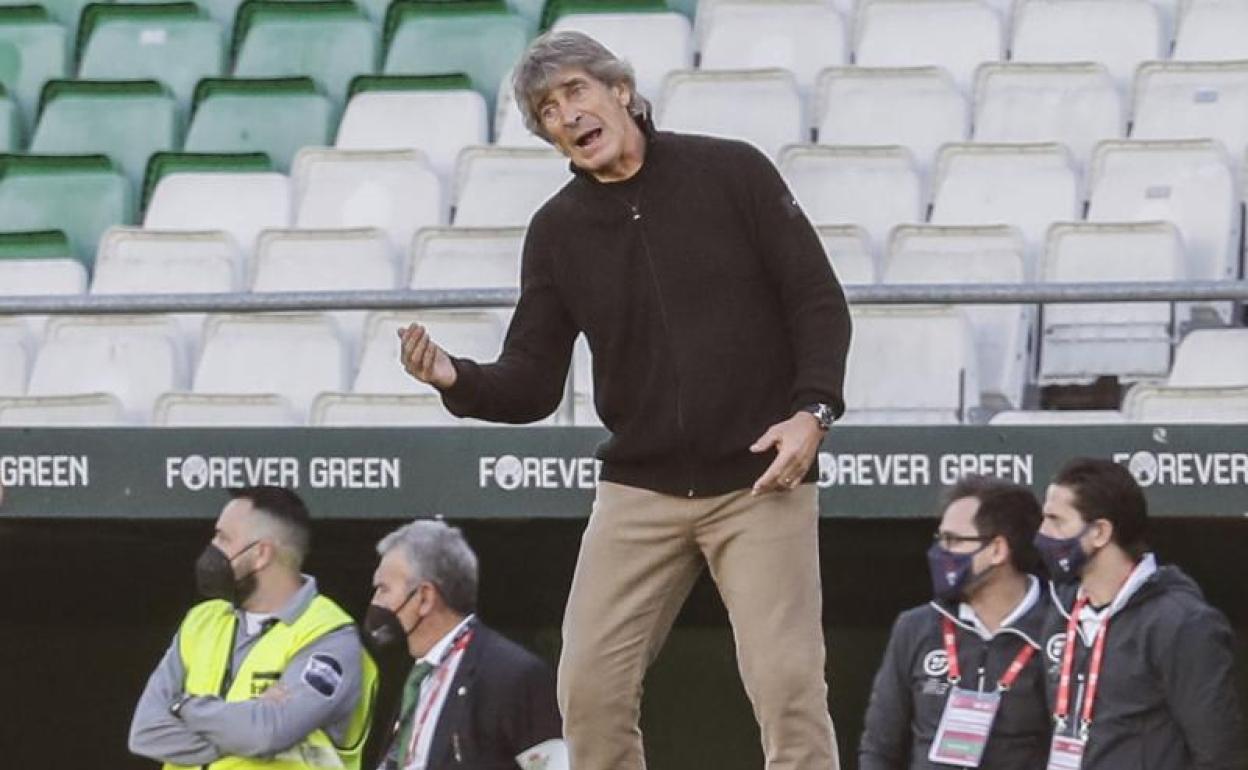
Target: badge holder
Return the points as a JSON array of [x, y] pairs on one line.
[[1066, 750]]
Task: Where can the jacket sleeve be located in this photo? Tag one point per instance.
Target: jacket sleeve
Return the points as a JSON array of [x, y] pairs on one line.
[[157, 734], [321, 687], [526, 383], [531, 715], [886, 728], [815, 309], [1197, 674]]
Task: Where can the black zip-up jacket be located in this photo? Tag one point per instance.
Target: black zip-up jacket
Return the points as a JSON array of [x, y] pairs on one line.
[[1166, 698], [911, 688], [708, 303]]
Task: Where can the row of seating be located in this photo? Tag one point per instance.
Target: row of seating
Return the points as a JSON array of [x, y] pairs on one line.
[[289, 369]]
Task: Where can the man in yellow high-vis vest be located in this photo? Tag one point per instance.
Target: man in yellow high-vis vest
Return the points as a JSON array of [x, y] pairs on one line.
[[267, 673]]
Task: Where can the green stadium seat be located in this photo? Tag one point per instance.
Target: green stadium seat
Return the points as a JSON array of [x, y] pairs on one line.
[[63, 12], [480, 38], [175, 43], [10, 132], [82, 195], [275, 116], [554, 9], [33, 50], [163, 164], [328, 40], [38, 244], [126, 120]]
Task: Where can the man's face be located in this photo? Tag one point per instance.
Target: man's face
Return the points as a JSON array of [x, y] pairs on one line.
[[587, 120], [235, 533], [392, 585], [1061, 519], [957, 534]]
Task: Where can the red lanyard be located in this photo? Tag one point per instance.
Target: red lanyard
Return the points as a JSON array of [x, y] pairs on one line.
[[443, 671], [1068, 663], [955, 669]]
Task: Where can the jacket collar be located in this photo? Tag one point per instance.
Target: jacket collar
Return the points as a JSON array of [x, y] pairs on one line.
[[1024, 621]]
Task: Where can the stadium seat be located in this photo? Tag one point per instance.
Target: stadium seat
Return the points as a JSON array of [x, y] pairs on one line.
[[208, 410], [955, 34], [1117, 33], [14, 356], [480, 38], [1189, 183], [1212, 30], [1058, 417], [1081, 342], [394, 190], [64, 12], [654, 42], [127, 121], [330, 41], [509, 128], [439, 116], [275, 117], [919, 108], [462, 333], [874, 187], [1004, 334], [801, 36], [584, 410], [466, 258], [1193, 100], [762, 107], [849, 250], [929, 375], [293, 356], [1163, 403], [1029, 186], [504, 186], [1076, 105], [132, 260], [134, 359], [10, 123], [33, 50], [1211, 358], [39, 264], [175, 43], [241, 203], [80, 195], [39, 244], [365, 410], [95, 411]]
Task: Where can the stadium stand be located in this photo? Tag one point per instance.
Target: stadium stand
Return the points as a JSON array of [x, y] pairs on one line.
[[272, 116]]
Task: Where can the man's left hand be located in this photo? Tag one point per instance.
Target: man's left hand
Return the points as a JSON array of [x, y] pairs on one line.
[[796, 441]]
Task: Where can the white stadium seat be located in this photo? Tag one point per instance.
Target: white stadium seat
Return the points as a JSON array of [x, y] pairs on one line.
[[1193, 100], [1003, 333], [359, 410], [955, 34], [801, 36], [207, 410], [466, 258], [1076, 105], [920, 108], [1029, 186], [762, 107], [849, 251], [15, 345], [1058, 417], [323, 260], [1081, 342], [461, 333], [505, 186], [1117, 33], [584, 410], [509, 128], [132, 260], [929, 375], [41, 277], [1163, 403], [1211, 358], [653, 43], [438, 123], [1212, 30], [240, 203], [96, 410], [297, 357], [876, 188], [394, 190]]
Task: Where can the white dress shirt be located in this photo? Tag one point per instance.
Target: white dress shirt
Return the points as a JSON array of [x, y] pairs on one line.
[[433, 692]]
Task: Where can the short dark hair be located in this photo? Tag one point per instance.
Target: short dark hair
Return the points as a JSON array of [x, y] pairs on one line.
[[1103, 489], [286, 509], [1005, 509]]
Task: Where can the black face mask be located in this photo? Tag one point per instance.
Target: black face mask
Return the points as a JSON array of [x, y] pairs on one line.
[[952, 573], [1064, 557], [214, 576], [383, 625]]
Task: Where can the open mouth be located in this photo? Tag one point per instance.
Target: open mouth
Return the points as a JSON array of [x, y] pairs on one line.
[[587, 139]]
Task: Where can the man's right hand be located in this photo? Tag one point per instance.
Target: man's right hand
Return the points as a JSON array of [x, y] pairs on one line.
[[423, 359]]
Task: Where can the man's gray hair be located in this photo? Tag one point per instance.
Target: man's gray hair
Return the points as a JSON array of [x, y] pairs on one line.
[[438, 554], [555, 51]]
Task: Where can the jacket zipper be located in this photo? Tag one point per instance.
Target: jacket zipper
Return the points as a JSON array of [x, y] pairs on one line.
[[228, 673]]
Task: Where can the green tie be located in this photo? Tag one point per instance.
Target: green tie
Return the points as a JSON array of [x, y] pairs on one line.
[[407, 716]]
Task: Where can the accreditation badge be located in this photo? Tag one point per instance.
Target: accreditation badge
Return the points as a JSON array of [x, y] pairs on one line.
[[962, 734], [1066, 753]]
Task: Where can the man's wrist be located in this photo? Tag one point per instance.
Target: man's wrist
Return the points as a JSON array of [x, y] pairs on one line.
[[821, 414], [175, 708]]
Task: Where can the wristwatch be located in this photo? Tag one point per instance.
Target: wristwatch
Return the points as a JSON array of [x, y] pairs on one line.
[[175, 708], [823, 414]]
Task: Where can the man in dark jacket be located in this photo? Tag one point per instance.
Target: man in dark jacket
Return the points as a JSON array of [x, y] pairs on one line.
[[976, 646], [719, 336], [1139, 666]]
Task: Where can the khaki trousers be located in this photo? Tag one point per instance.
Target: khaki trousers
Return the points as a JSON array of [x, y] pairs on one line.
[[640, 555]]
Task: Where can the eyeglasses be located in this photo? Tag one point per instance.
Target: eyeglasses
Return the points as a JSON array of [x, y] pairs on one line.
[[947, 540]]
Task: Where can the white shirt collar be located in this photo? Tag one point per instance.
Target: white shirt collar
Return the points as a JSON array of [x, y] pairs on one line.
[[966, 613], [1140, 575], [439, 650]]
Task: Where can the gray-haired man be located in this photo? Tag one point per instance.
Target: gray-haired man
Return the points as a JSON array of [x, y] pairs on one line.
[[719, 336], [473, 698]]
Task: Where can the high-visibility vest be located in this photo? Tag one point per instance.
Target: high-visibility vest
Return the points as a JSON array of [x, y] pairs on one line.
[[206, 645]]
